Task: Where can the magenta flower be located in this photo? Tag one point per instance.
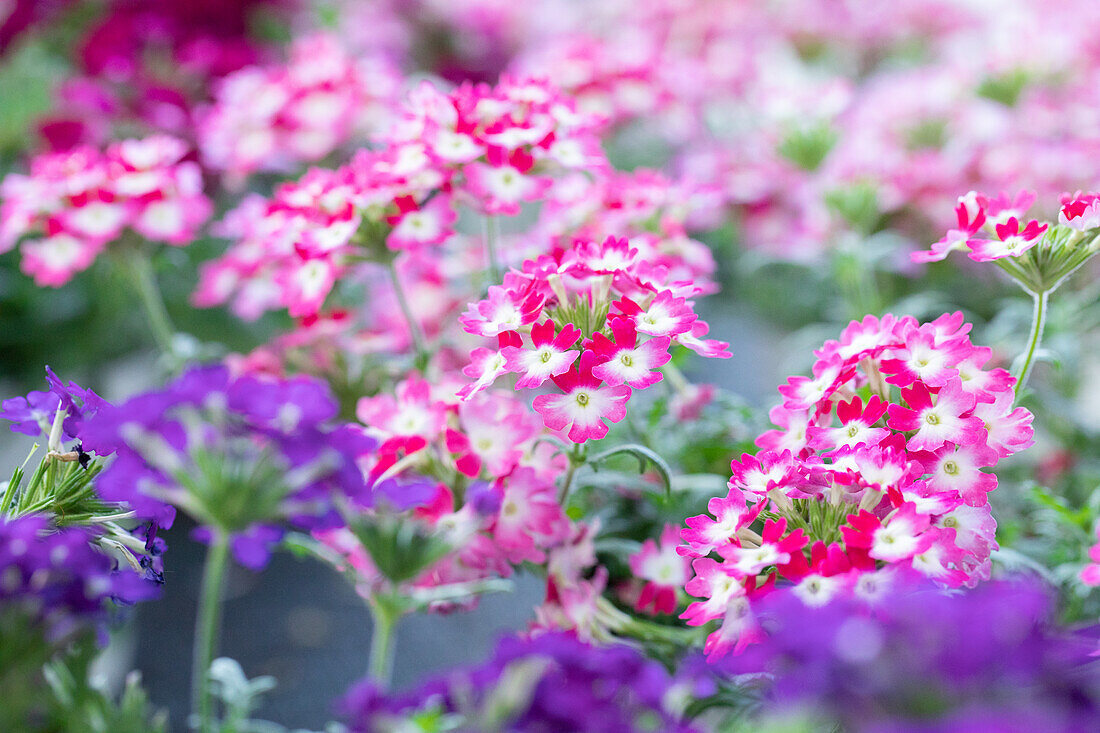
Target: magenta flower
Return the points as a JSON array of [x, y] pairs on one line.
[[624, 361], [948, 420], [585, 404], [666, 315], [1012, 241], [1080, 211], [552, 354]]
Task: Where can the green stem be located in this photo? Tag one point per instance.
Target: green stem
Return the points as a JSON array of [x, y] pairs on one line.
[[492, 237], [382, 642], [577, 459], [1038, 322], [419, 342], [207, 626], [140, 270]]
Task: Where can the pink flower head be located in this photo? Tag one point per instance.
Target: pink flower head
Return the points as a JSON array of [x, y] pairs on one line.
[[664, 571], [948, 420], [900, 537], [552, 355], [970, 217], [925, 356], [1008, 429], [757, 475], [411, 411], [957, 469], [667, 315], [1011, 241], [712, 583], [585, 404], [503, 310], [529, 519], [1080, 211], [624, 361], [776, 548], [710, 348], [857, 424], [1001, 208], [486, 365], [421, 226], [731, 513]]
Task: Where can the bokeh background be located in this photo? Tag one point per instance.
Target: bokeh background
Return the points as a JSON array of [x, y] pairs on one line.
[[834, 137]]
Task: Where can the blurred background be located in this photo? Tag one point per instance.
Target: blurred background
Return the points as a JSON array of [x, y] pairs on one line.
[[826, 140]]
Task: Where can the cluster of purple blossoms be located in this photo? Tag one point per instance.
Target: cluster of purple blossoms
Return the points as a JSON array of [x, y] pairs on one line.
[[552, 682], [34, 414], [919, 659], [57, 581], [239, 454]]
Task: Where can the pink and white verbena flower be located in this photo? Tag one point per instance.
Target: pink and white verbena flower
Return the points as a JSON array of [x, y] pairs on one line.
[[73, 204], [991, 229], [597, 307], [486, 148], [663, 570], [879, 466]]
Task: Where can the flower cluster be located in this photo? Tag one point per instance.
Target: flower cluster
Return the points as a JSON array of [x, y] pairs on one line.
[[647, 208], [77, 202], [488, 148], [239, 454], [273, 118], [878, 466], [490, 497], [597, 320], [36, 413], [913, 658], [552, 682], [56, 580], [989, 229]]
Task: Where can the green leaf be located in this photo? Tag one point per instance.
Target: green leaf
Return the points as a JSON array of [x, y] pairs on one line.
[[644, 455]]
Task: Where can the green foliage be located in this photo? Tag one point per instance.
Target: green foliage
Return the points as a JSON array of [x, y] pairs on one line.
[[807, 147]]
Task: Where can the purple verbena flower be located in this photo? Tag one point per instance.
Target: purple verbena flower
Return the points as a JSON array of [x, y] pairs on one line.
[[923, 659], [240, 454], [58, 580], [555, 682]]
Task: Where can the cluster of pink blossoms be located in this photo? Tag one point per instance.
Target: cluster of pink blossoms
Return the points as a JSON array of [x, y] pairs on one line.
[[275, 118], [650, 210], [991, 228], [73, 204], [494, 500], [597, 321], [988, 229], [488, 148], [878, 466]]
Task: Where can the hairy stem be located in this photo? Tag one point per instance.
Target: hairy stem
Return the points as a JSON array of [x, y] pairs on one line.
[[1038, 322]]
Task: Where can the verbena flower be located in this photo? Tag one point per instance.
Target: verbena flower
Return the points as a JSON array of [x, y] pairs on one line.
[[898, 486], [917, 659], [240, 454], [73, 204], [57, 582], [552, 682], [276, 117], [626, 315]]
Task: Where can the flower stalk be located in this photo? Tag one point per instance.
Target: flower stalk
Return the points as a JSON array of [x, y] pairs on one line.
[[207, 628]]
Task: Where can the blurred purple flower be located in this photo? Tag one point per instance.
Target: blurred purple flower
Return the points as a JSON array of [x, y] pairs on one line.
[[571, 686]]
